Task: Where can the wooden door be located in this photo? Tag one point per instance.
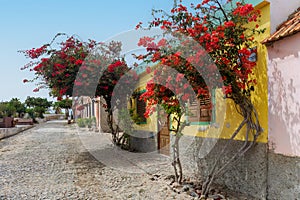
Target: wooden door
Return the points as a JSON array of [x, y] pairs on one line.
[[164, 133]]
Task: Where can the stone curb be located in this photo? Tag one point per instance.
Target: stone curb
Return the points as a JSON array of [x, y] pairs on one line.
[[8, 132]]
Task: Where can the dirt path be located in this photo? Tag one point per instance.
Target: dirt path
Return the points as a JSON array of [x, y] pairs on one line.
[[55, 161]]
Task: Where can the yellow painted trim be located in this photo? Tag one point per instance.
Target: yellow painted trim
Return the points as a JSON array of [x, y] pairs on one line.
[[262, 4]]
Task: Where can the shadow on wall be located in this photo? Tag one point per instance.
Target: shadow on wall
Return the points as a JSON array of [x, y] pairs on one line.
[[284, 97]]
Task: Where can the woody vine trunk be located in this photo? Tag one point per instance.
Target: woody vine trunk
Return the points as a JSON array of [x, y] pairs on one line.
[[246, 109]]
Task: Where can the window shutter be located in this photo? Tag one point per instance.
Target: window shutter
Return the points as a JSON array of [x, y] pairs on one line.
[[205, 109], [140, 108], [193, 111], [200, 110]]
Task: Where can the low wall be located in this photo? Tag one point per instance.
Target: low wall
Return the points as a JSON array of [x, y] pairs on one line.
[[7, 132], [260, 173], [49, 117], [143, 141], [7, 122], [248, 175], [21, 121], [283, 177]]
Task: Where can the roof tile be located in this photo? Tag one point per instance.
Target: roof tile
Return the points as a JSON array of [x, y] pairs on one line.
[[287, 28]]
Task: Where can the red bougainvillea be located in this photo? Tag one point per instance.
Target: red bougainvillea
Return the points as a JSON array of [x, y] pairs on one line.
[[68, 65], [226, 40], [209, 46]]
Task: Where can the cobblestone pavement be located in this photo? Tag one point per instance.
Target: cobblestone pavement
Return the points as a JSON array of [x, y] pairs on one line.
[[56, 161]]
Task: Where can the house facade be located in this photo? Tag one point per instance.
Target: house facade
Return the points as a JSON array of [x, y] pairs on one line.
[[284, 106], [271, 169], [145, 137], [209, 130], [87, 107]]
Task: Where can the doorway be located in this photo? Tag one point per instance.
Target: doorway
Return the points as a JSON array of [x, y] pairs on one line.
[[163, 133]]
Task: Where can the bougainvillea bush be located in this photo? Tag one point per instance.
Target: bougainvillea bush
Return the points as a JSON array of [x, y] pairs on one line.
[[210, 49], [57, 68], [76, 68]]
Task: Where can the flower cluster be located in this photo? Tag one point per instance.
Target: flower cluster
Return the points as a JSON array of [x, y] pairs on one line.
[[36, 52], [223, 61], [68, 66]]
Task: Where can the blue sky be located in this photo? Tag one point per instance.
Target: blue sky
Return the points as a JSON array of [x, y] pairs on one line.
[[30, 23]]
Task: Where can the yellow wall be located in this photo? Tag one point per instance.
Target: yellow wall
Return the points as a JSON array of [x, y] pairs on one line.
[[151, 124], [259, 96], [227, 119]]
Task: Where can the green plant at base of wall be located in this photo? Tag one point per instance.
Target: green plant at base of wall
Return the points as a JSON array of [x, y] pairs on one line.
[[80, 123]]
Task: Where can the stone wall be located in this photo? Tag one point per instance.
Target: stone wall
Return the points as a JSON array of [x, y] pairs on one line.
[[283, 177], [143, 141], [6, 122], [260, 173], [248, 175], [7, 132]]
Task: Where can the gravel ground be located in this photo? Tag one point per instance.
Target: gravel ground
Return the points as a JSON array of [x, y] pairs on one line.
[[55, 161]]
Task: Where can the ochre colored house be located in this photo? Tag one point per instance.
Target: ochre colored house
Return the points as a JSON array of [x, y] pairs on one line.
[[210, 130], [271, 170]]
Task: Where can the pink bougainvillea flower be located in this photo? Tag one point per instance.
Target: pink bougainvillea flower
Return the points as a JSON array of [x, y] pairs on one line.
[[227, 89], [179, 77], [185, 97], [148, 70]]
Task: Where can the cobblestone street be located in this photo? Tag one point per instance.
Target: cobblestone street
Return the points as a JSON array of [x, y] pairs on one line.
[[54, 161]]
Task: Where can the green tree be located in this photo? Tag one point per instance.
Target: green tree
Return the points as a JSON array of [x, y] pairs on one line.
[[2, 109], [18, 105], [63, 104], [7, 109], [37, 106]]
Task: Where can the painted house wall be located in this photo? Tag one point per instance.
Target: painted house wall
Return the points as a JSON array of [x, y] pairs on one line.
[[151, 124], [144, 136], [227, 119], [284, 96], [101, 115], [284, 109], [249, 175], [259, 96]]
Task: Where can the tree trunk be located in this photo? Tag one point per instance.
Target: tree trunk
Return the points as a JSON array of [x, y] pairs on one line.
[[67, 113], [176, 151], [245, 108]]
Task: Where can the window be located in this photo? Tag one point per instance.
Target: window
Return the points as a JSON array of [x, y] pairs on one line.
[[138, 108], [200, 111]]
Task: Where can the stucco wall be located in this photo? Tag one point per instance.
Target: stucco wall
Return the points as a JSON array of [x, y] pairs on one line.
[[101, 115], [284, 96], [283, 177]]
